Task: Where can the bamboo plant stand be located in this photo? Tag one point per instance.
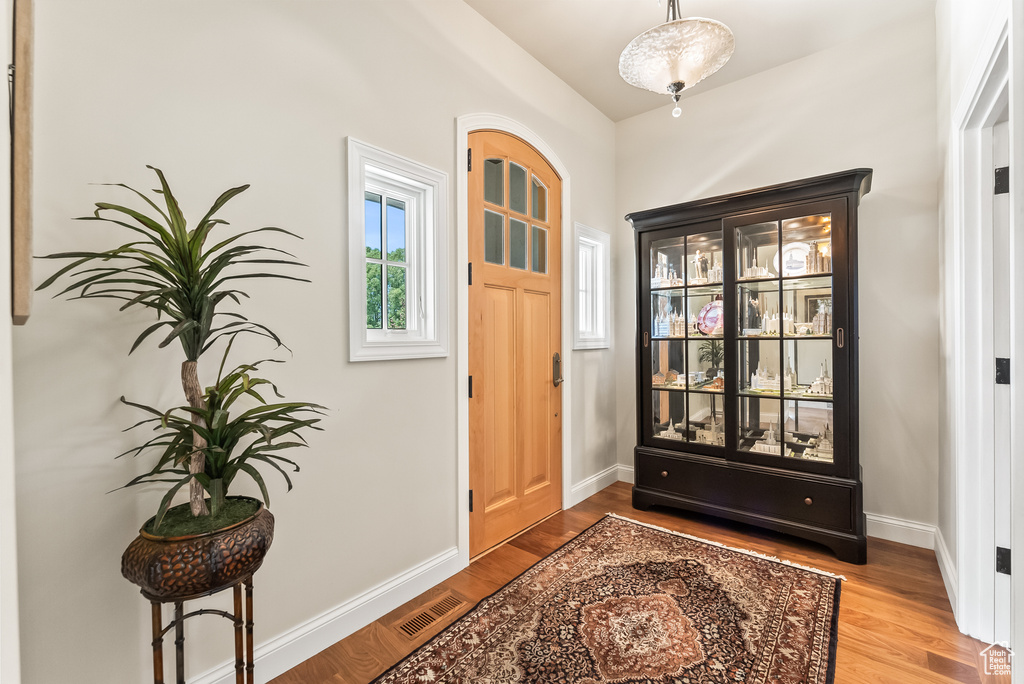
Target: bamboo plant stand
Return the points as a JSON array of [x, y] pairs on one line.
[[244, 664]]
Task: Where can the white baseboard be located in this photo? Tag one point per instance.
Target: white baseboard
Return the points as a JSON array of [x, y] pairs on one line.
[[626, 473], [301, 643], [593, 484], [903, 531], [947, 568]]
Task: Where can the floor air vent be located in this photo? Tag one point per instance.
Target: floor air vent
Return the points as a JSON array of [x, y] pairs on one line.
[[429, 615]]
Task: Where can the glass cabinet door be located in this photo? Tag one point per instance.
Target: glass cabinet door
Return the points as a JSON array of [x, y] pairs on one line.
[[685, 359], [785, 337]]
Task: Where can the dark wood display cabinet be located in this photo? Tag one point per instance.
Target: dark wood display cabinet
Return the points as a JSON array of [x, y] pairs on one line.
[[747, 359]]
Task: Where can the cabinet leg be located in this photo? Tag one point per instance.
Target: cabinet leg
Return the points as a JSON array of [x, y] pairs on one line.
[[158, 644], [855, 552], [639, 502]]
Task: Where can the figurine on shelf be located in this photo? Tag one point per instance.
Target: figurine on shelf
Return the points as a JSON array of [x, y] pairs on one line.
[[671, 433], [715, 273], [818, 259], [755, 271], [821, 324], [713, 432], [753, 322], [700, 269], [821, 446], [774, 325], [769, 443], [763, 381], [822, 385]]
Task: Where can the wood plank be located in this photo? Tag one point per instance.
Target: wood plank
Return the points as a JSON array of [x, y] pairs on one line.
[[895, 623]]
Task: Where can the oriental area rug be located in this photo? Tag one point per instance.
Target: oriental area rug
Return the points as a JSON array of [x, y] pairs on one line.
[[630, 602]]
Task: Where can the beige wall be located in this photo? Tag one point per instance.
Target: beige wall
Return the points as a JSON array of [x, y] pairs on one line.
[[9, 638], [869, 103], [218, 93]]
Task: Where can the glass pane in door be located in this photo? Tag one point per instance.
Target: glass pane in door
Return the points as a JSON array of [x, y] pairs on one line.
[[669, 416], [517, 243], [707, 419], [760, 369], [494, 238], [704, 258], [494, 181], [806, 246], [539, 205], [809, 300], [517, 188], [808, 431], [539, 249], [759, 430], [706, 365], [668, 314], [758, 305], [705, 311], [757, 251], [668, 369], [668, 263]]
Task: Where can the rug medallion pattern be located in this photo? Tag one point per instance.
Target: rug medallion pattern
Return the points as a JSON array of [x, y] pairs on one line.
[[625, 602]]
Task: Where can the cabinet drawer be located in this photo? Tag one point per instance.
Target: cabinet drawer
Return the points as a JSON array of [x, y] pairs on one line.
[[775, 495]]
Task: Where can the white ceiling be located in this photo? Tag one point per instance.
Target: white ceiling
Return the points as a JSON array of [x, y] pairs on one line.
[[580, 40]]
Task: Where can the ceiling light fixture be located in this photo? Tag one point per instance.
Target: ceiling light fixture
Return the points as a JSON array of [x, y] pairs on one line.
[[677, 54]]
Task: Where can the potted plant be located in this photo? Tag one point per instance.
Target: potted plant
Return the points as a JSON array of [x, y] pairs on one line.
[[711, 352], [188, 280]]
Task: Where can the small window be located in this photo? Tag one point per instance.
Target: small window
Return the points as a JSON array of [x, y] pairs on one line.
[[593, 289], [397, 257]]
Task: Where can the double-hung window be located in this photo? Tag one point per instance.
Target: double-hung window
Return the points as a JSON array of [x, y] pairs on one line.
[[593, 278], [397, 256]]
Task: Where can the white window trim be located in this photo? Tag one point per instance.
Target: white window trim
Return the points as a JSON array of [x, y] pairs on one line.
[[599, 242], [425, 192]]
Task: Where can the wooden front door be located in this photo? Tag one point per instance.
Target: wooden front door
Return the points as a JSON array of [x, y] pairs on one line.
[[515, 427]]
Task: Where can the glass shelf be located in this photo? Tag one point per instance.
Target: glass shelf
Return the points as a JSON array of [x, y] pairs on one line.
[[808, 282], [704, 290]]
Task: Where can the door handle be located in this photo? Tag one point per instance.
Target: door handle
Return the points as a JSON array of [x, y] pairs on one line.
[[556, 370]]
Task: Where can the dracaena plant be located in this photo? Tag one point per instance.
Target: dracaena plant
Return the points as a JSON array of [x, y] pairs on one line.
[[187, 279], [235, 440]]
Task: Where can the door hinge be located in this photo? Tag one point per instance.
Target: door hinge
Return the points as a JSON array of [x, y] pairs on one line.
[[1002, 371], [470, 500], [469, 159], [471, 273], [470, 386], [1002, 183], [1002, 560]]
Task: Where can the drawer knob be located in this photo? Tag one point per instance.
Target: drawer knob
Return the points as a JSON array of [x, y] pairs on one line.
[[808, 501], [664, 473]]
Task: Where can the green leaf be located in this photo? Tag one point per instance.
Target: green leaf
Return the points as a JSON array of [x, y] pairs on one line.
[[180, 328], [255, 475], [166, 502]]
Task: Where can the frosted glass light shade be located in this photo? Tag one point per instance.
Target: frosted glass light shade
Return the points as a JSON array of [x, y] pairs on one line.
[[684, 51]]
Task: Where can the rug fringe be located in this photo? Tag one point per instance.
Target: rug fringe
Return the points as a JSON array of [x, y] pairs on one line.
[[730, 548]]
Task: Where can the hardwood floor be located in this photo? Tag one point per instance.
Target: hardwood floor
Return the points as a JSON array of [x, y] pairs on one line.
[[895, 622]]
